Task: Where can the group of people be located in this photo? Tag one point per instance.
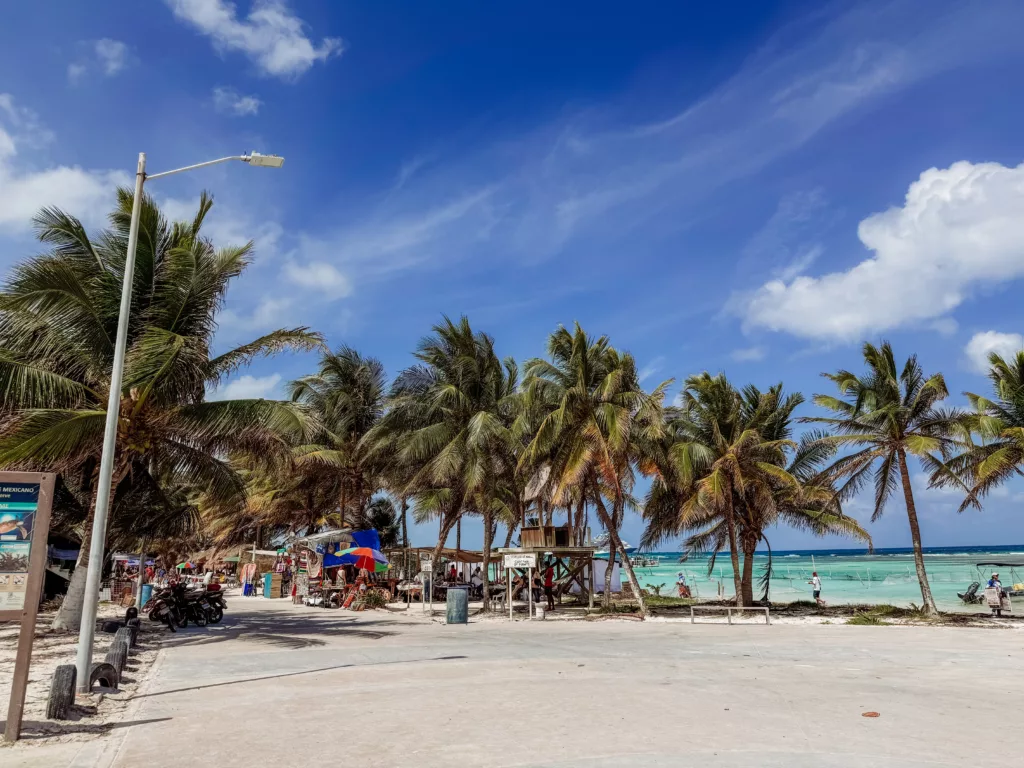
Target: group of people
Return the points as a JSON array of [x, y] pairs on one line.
[[543, 583], [815, 582]]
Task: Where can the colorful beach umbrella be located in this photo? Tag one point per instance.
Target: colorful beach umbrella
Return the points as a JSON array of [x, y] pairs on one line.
[[363, 557]]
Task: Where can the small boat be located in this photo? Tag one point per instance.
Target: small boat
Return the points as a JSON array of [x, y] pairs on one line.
[[1013, 586], [644, 561], [601, 542]]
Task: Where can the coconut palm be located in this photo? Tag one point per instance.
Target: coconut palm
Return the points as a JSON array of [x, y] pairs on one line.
[[589, 439], [280, 500], [347, 397], [999, 421], [884, 415], [739, 440], [58, 320], [715, 459], [448, 423], [382, 516]]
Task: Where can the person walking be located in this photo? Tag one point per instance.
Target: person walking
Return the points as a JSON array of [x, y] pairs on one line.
[[815, 583]]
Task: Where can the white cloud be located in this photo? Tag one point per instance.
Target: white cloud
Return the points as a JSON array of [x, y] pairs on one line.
[[230, 102], [651, 368], [985, 343], [271, 35], [86, 194], [749, 354], [269, 313], [393, 240], [76, 72], [247, 387], [226, 225], [597, 180], [106, 56], [959, 229], [112, 55], [319, 276]]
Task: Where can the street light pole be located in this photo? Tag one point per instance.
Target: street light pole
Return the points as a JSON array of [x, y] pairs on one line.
[[87, 630]]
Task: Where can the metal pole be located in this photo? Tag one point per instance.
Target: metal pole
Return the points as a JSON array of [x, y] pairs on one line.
[[142, 575], [99, 523], [508, 591], [529, 615]]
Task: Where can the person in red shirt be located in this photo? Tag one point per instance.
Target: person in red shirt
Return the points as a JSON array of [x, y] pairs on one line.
[[549, 586]]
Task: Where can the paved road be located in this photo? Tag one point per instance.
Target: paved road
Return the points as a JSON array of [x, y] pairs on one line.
[[277, 685]]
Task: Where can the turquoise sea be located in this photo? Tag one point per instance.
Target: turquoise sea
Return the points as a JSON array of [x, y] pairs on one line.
[[847, 575]]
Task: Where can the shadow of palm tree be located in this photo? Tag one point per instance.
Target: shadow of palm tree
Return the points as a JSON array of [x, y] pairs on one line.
[[283, 630], [44, 729]]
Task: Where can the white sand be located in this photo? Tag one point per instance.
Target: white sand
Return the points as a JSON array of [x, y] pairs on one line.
[[92, 716]]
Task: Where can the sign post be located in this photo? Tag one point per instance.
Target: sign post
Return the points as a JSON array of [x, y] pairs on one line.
[[25, 501], [526, 561], [427, 568]]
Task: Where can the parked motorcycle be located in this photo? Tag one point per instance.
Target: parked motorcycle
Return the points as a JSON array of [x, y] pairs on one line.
[[163, 607], [215, 602]]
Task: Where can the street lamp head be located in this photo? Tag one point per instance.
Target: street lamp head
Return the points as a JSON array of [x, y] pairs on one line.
[[264, 161]]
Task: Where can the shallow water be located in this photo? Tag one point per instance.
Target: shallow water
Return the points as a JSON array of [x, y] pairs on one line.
[[847, 576]]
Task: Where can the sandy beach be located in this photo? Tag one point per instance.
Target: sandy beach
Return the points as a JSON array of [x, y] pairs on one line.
[[92, 716]]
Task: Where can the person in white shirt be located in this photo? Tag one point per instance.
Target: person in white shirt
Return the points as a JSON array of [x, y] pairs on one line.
[[815, 582]]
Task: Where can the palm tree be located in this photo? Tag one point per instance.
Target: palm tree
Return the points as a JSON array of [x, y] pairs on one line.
[[382, 517], [716, 462], [999, 421], [744, 436], [58, 319], [347, 398], [885, 414], [589, 438], [280, 499], [448, 421]]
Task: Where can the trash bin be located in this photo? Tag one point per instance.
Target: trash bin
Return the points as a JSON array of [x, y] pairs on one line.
[[539, 612], [147, 593], [458, 606]]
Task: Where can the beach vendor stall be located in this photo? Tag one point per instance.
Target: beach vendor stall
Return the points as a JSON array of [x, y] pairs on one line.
[[313, 583]]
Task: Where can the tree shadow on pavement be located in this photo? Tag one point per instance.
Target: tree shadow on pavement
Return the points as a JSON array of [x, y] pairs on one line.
[[44, 729], [282, 630], [295, 674]]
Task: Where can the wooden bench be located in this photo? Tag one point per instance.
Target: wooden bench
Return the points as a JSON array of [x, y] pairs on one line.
[[729, 609]]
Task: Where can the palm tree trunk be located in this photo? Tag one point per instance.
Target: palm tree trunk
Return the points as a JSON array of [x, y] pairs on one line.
[[734, 554], [343, 503], [69, 615], [928, 602], [606, 599], [615, 544], [447, 522], [488, 537], [458, 536], [509, 534], [405, 522], [749, 546], [578, 525]]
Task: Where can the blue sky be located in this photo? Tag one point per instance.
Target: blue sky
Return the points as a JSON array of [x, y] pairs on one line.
[[749, 187]]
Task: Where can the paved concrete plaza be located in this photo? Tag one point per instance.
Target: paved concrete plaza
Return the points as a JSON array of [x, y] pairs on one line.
[[282, 685]]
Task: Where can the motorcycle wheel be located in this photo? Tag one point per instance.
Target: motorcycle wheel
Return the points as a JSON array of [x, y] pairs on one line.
[[169, 620], [215, 615], [181, 620], [199, 617]]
